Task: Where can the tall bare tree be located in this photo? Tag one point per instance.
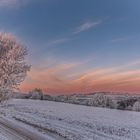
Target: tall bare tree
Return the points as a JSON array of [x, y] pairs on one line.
[[13, 68]]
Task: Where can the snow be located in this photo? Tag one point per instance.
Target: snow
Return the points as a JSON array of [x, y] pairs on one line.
[[74, 122], [2, 137]]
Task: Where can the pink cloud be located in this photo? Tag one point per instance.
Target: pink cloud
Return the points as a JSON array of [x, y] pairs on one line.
[[63, 78]]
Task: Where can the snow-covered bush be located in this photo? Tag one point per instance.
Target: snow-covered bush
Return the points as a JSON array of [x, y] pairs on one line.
[[127, 103], [101, 100], [129, 107], [47, 97], [121, 105], [136, 106], [13, 68], [36, 94]]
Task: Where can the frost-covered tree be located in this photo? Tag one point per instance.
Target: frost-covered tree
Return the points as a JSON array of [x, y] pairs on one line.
[[101, 100], [36, 94], [13, 68]]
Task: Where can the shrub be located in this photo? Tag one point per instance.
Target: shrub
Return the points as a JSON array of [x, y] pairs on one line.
[[136, 106], [126, 103]]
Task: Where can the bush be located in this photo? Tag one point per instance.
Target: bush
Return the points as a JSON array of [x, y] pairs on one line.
[[136, 106], [47, 97], [126, 103]]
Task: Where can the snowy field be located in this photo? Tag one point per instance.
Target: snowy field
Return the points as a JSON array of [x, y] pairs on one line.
[[63, 121]]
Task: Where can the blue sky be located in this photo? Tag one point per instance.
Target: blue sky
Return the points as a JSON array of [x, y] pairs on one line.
[[91, 34]]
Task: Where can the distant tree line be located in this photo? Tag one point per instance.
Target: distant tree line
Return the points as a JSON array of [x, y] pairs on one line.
[[97, 100]]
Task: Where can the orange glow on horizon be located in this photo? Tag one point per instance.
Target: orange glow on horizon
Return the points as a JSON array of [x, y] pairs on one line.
[[62, 79]]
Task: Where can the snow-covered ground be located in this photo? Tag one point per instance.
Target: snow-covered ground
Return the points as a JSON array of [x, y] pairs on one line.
[[74, 122]]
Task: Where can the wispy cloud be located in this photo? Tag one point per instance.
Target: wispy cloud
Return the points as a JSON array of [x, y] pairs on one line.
[[68, 78], [81, 28], [57, 42], [121, 39], [86, 26], [118, 40], [12, 3]]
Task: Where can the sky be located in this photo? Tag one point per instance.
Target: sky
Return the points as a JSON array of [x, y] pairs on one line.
[[77, 46]]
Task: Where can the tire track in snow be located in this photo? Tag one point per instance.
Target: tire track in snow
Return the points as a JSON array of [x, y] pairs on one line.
[[18, 132]]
